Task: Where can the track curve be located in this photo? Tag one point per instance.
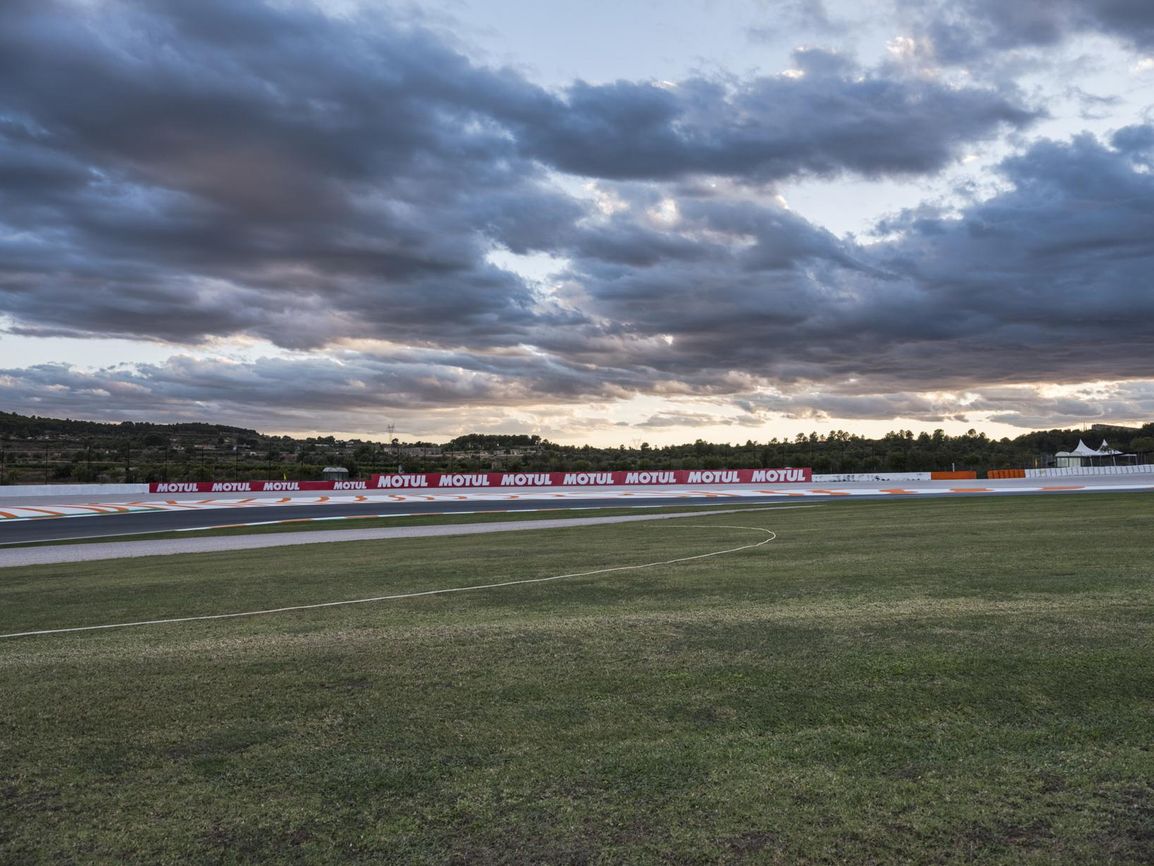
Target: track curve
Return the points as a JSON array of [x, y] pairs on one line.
[[183, 513], [100, 525]]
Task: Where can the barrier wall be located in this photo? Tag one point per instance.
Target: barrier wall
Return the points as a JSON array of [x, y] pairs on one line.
[[255, 486], [12, 490], [1006, 473], [646, 478], [441, 480], [1076, 471], [548, 479], [953, 476]]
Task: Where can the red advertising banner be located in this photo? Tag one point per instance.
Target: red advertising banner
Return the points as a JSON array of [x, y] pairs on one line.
[[441, 480], [255, 486], [629, 478], [464, 480]]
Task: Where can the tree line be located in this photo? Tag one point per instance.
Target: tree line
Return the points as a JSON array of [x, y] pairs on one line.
[[52, 450]]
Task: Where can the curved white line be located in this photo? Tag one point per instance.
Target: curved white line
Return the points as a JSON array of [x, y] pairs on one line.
[[772, 535]]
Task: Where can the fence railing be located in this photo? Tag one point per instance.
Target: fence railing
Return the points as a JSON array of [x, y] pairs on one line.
[[827, 478], [1077, 471]]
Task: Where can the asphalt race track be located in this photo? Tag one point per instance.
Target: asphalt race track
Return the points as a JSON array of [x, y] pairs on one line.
[[61, 529], [164, 513]]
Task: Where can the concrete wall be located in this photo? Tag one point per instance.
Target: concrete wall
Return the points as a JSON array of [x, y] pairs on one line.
[[21, 490]]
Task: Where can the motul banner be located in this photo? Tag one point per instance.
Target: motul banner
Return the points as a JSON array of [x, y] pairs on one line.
[[628, 478], [465, 480], [254, 486]]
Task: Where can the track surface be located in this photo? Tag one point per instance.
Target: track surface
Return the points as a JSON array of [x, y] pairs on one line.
[[161, 513], [60, 529], [54, 554]]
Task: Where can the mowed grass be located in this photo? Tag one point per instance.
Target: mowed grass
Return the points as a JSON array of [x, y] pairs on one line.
[[966, 680]]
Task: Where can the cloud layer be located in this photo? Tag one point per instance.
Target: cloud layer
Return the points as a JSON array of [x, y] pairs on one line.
[[963, 31], [238, 168], [340, 185]]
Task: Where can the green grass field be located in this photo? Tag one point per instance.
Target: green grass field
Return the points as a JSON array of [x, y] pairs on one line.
[[937, 681]]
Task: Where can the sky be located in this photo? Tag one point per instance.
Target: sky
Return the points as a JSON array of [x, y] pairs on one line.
[[600, 222]]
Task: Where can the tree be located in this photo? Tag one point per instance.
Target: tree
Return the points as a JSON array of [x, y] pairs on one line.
[[1142, 445]]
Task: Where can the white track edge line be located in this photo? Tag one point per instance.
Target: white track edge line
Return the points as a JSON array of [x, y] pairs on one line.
[[403, 595], [51, 542]]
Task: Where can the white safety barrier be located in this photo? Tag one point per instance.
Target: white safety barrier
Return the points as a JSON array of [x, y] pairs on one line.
[[13, 490], [1076, 471], [873, 476]]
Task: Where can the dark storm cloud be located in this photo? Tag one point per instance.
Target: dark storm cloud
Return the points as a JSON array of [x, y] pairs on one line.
[[833, 118], [1050, 279], [729, 285], [175, 171], [290, 391], [962, 31], [1046, 281], [179, 171], [1021, 406]]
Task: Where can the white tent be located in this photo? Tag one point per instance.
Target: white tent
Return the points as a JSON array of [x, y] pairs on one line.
[[1084, 455], [1083, 450], [1106, 449]]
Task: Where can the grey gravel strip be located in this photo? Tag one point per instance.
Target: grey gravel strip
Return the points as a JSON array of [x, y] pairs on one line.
[[168, 547]]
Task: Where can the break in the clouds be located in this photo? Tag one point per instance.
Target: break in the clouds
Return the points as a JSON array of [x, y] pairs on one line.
[[350, 188]]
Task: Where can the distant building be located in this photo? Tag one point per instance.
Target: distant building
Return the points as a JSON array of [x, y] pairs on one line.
[[335, 473], [418, 451], [1113, 428]]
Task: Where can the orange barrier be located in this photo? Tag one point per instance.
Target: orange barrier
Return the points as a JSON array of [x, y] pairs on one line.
[[953, 476], [1006, 473]]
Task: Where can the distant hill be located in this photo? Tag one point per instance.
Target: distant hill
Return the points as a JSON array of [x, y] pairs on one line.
[[33, 426]]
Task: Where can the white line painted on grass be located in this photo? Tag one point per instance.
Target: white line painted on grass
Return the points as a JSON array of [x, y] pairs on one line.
[[772, 535]]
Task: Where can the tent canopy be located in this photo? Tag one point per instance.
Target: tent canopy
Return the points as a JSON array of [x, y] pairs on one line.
[[1106, 449], [1084, 450], [1084, 455]]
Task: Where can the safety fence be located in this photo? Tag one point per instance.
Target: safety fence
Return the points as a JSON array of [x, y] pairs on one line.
[[1082, 471], [833, 478]]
